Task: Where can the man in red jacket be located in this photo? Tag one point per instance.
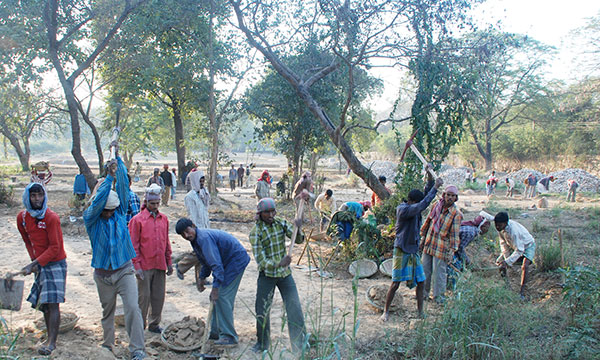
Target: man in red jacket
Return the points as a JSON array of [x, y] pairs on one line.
[[149, 232], [42, 235]]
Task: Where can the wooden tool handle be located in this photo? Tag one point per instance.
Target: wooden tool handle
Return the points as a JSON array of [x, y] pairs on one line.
[[423, 160], [296, 228], [207, 327]]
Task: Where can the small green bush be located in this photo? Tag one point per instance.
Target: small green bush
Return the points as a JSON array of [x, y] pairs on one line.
[[6, 194], [548, 256]]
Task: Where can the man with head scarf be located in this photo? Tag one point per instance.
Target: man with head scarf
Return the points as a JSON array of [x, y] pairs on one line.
[[440, 234], [42, 235], [224, 256], [149, 231], [112, 254], [514, 237], [270, 252], [262, 186], [156, 179], [407, 265], [196, 202]]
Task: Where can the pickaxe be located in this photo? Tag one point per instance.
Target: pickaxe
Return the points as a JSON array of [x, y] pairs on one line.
[[409, 144], [115, 133]]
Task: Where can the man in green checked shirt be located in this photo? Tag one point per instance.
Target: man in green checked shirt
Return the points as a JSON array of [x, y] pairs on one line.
[[268, 246]]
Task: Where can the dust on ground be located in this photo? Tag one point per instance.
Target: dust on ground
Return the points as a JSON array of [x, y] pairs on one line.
[[328, 303]]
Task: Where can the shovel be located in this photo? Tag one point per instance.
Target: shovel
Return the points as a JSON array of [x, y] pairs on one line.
[[11, 292], [203, 355]]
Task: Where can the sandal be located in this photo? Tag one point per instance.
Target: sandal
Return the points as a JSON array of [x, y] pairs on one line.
[[45, 350]]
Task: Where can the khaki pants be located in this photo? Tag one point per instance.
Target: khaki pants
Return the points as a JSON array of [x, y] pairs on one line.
[[121, 282], [151, 294], [165, 195]]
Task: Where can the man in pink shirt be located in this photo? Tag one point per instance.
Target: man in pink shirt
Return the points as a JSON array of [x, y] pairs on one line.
[[149, 232]]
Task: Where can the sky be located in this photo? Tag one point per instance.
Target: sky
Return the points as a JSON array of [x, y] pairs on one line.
[[548, 21]]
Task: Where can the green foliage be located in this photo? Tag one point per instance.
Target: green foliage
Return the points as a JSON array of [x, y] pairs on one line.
[[8, 341], [548, 255], [6, 194], [582, 301]]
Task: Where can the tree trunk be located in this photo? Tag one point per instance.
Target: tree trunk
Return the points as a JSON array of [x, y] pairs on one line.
[[212, 116], [22, 152], [97, 142], [179, 139]]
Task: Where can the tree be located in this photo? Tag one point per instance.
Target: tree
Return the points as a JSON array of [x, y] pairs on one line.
[[285, 122], [508, 78], [158, 58], [21, 113], [356, 32]]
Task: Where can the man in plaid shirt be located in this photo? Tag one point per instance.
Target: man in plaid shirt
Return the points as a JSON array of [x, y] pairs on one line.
[[268, 246], [441, 239]]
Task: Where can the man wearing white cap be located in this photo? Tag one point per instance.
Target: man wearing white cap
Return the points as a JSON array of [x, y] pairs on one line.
[[112, 252], [440, 240]]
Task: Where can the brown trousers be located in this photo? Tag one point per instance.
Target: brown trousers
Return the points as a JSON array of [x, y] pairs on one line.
[[151, 295]]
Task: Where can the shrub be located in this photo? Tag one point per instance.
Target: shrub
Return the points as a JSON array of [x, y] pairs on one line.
[[582, 300], [548, 256], [6, 194]]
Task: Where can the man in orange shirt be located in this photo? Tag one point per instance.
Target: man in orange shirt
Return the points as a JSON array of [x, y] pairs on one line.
[[149, 232], [376, 200], [42, 235]]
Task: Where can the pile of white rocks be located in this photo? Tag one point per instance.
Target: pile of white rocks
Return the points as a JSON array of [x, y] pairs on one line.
[[519, 176], [388, 169], [454, 176], [587, 182]]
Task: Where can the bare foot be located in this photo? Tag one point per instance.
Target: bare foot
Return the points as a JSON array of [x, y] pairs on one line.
[[385, 317]]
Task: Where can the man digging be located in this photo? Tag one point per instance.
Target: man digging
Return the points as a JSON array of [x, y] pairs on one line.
[[224, 256], [112, 252], [407, 264], [514, 236], [42, 235], [268, 246]]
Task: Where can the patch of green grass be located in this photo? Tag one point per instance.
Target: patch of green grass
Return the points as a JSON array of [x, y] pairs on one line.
[[474, 186], [8, 170], [486, 320], [548, 256], [538, 227], [593, 226], [8, 341], [6, 193], [493, 208]]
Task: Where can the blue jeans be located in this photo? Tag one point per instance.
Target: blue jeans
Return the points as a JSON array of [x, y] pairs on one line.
[[264, 298]]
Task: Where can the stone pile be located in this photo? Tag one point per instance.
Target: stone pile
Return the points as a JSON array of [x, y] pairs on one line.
[[454, 176], [388, 169], [519, 176], [587, 182]]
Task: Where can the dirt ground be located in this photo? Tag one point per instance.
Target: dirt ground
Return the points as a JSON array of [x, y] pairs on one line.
[[327, 303]]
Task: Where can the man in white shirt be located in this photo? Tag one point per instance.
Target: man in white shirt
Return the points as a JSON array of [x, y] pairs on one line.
[[514, 236], [325, 205], [510, 187]]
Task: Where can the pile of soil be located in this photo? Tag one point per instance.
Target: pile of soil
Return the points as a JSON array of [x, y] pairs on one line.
[[185, 333], [377, 295]]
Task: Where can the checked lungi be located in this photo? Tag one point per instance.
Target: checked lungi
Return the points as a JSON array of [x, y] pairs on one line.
[[407, 267], [49, 285]]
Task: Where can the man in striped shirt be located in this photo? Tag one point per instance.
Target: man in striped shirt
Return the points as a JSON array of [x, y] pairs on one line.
[[268, 246], [112, 252], [440, 234]]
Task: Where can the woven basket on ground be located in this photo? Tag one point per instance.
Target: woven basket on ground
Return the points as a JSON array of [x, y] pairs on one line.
[[386, 267], [363, 268], [68, 320]]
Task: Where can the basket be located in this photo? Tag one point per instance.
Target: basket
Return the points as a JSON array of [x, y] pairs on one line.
[[363, 268], [387, 267], [41, 166], [68, 320], [319, 236], [175, 347], [380, 303]]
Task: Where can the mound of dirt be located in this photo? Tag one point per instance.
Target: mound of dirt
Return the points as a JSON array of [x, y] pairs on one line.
[[185, 333], [377, 294]]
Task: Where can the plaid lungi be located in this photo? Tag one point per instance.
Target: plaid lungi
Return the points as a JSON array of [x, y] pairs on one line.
[[407, 267], [49, 285]]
